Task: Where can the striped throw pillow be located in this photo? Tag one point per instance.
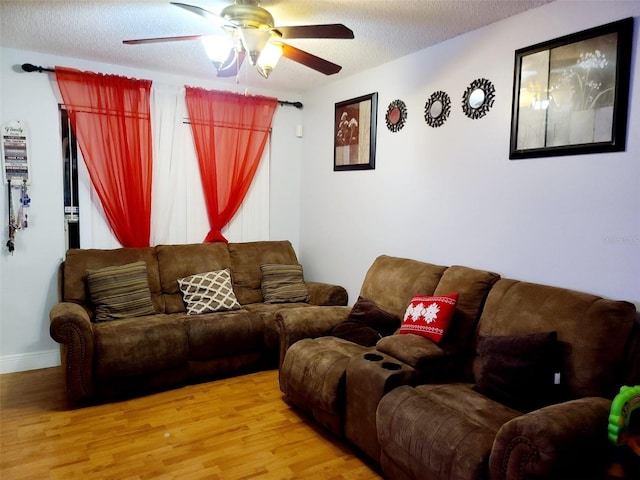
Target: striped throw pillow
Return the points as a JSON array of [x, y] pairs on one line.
[[208, 292], [120, 292], [283, 283]]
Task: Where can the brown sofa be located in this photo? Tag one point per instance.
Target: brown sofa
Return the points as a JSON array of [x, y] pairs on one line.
[[475, 406], [169, 347]]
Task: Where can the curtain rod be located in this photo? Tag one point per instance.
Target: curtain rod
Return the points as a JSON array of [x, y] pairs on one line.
[[28, 67]]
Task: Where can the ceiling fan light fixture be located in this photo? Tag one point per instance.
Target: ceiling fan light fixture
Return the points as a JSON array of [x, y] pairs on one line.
[[247, 13], [253, 41], [250, 28], [268, 59], [217, 48]]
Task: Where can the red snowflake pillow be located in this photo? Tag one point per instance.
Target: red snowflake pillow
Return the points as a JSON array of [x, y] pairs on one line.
[[429, 316]]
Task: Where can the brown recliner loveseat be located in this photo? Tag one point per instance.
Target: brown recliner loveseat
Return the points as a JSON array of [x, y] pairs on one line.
[[520, 387], [166, 346]]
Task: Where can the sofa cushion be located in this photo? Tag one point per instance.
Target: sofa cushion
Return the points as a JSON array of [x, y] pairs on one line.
[[246, 259], [144, 345], [78, 261], [223, 334], [592, 350], [208, 292], [120, 292], [179, 261], [429, 317], [518, 371], [439, 431], [366, 324], [392, 282], [283, 283], [468, 404], [472, 286], [414, 350]]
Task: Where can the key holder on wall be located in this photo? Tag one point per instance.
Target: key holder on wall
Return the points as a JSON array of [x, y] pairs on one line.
[[15, 171]]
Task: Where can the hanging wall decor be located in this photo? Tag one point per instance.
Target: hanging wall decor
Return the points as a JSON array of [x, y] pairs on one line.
[[478, 98], [396, 115], [437, 109], [15, 173], [570, 95], [354, 139]]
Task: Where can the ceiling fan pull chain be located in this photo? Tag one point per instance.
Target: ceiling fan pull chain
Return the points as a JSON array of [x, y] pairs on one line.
[[238, 69], [246, 81]]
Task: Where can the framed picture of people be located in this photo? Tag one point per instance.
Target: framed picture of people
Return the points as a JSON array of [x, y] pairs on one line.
[[355, 133]]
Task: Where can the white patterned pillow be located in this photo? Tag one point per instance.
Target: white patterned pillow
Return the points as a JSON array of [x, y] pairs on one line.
[[208, 292]]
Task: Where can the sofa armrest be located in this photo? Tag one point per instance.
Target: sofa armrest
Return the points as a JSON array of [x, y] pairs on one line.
[[432, 362], [327, 294], [71, 327], [563, 440], [411, 349], [307, 322]]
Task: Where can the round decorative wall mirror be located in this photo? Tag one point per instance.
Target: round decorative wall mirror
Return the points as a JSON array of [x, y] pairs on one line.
[[478, 98], [437, 109], [396, 115]]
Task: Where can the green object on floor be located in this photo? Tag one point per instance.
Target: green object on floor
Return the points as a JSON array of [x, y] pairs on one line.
[[624, 432], [621, 408]]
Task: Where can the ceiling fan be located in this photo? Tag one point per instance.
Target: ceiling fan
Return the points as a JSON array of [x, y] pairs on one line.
[[248, 30]]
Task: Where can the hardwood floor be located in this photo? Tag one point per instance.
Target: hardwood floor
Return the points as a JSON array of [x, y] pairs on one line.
[[237, 428]]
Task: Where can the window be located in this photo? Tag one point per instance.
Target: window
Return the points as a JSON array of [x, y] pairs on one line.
[[70, 181]]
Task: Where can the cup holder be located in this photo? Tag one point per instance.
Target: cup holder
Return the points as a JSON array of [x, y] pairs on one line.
[[391, 366], [372, 357]]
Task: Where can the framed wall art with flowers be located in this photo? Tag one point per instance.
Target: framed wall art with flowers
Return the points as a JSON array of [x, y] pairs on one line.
[[570, 95], [355, 133]]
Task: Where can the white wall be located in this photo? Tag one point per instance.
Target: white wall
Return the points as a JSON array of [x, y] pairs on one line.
[[450, 195], [28, 279]]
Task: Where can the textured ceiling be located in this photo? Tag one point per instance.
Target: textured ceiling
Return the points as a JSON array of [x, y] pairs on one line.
[[383, 29]]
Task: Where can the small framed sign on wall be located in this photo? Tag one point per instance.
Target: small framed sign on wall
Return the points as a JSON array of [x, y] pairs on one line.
[[355, 133], [15, 155], [570, 94]]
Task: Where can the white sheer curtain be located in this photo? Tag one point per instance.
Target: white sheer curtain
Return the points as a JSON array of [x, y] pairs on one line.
[[251, 221], [94, 229], [178, 212]]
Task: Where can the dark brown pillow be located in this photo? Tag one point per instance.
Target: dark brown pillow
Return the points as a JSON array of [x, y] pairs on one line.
[[519, 371], [357, 333], [368, 313], [366, 324]]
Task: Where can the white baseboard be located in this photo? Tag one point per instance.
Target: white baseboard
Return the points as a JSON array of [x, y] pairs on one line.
[[29, 361]]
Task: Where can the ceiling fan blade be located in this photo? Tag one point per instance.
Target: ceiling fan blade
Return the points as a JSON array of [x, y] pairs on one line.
[[217, 19], [334, 30], [231, 67], [162, 39], [309, 60]]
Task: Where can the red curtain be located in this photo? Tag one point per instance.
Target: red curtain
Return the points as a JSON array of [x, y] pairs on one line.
[[110, 117], [230, 132]]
